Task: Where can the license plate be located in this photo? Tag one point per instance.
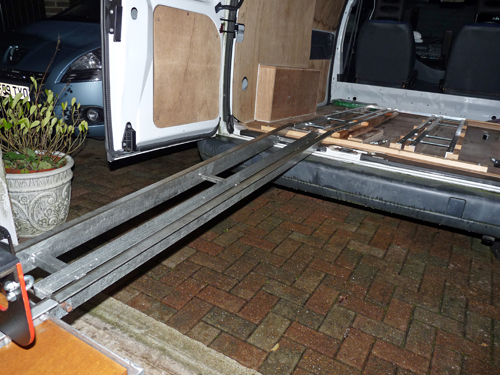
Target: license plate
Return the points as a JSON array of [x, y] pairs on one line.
[[7, 89]]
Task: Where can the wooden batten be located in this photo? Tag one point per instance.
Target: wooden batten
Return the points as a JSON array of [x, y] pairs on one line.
[[284, 92]]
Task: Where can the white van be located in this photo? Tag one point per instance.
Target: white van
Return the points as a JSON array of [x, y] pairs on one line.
[[410, 88]]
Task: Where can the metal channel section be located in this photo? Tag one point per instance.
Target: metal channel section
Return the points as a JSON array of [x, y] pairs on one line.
[[70, 285]]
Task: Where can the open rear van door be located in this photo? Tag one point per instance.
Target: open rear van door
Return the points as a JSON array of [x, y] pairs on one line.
[[162, 73]]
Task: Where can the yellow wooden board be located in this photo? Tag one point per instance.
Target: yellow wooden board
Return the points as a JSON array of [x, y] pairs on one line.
[[284, 92], [56, 351], [277, 32], [187, 67]]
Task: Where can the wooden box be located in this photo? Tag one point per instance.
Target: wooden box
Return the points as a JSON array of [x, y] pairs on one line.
[[284, 92]]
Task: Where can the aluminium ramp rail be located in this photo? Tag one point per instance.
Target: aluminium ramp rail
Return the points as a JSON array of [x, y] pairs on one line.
[[70, 285]]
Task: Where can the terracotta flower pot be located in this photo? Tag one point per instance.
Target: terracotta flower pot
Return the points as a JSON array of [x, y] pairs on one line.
[[40, 201]]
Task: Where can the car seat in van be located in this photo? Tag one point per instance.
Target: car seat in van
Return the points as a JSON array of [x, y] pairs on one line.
[[474, 62], [385, 54]]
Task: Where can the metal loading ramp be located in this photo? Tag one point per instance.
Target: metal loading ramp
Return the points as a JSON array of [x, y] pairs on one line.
[[70, 285]]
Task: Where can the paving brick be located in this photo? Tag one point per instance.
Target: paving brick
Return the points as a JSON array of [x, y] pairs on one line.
[[258, 307], [287, 248], [322, 300], [349, 259], [208, 276], [206, 247], [459, 263], [363, 307], [249, 286], [467, 252], [286, 292], [152, 307], [295, 267], [278, 274], [303, 229], [363, 275], [224, 225], [402, 358], [204, 333], [344, 286], [229, 323], [382, 238], [278, 235], [227, 238], [180, 273], [251, 230], [269, 224], [309, 280], [268, 333], [420, 339], [398, 314], [209, 236], [478, 328], [124, 295], [284, 359], [355, 348], [267, 257], [415, 299], [216, 264], [308, 240], [246, 354], [320, 364], [396, 254], [183, 294], [151, 287], [301, 371], [242, 267], [400, 281], [365, 249], [445, 361], [463, 346], [385, 266], [258, 242], [312, 339], [413, 269], [325, 231], [472, 367], [189, 316], [377, 366], [157, 272], [332, 269], [439, 321], [337, 321], [379, 330], [298, 313], [222, 299], [380, 293], [454, 304]]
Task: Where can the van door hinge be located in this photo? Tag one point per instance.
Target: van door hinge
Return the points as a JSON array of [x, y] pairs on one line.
[[128, 142], [114, 15]]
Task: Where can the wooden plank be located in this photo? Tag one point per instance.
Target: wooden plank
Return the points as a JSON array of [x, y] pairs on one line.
[[284, 92], [324, 67], [367, 137], [391, 151], [187, 67], [277, 32], [56, 351]]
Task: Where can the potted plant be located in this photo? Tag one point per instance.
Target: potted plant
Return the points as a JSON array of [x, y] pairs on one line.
[[36, 144]]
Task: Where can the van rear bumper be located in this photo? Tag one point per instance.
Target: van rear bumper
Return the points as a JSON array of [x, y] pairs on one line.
[[465, 208]]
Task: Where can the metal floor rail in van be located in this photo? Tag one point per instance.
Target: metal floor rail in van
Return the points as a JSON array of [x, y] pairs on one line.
[[70, 285]]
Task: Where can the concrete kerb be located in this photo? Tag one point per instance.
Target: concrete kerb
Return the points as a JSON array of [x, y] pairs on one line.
[[156, 347]]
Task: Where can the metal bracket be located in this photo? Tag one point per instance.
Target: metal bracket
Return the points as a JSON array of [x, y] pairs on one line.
[[128, 142], [114, 16], [220, 7], [239, 29]]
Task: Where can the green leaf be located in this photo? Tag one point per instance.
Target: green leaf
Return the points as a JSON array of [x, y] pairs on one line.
[[35, 84], [73, 101], [16, 100], [14, 156], [30, 152], [44, 165]]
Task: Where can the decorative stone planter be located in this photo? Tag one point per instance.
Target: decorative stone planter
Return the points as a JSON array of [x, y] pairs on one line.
[[40, 201]]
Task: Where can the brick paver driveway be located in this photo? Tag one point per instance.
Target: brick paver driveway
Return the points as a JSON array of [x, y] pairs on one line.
[[292, 284]]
